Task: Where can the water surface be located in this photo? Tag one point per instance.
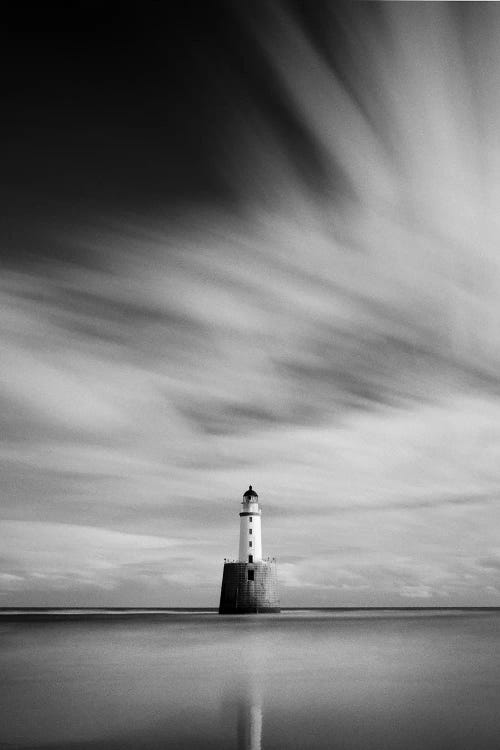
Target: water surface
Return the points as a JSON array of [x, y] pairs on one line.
[[303, 679]]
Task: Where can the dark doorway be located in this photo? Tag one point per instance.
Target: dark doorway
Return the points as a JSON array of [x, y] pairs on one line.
[[251, 575]]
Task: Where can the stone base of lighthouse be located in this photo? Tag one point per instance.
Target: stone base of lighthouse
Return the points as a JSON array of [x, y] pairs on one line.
[[249, 588]]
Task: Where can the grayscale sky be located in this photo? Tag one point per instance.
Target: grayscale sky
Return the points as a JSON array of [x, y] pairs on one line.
[[251, 243]]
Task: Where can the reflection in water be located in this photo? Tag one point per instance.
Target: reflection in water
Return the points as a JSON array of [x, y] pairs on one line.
[[250, 719], [254, 665]]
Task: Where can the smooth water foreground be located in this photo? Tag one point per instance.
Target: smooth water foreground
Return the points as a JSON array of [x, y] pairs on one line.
[[296, 680]]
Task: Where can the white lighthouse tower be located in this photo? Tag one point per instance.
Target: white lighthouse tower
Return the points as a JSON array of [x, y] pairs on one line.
[[250, 528], [249, 586]]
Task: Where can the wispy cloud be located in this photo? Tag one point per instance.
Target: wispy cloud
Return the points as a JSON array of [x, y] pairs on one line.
[[82, 553], [332, 337]]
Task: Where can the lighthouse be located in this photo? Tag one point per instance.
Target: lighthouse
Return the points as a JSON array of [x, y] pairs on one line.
[[250, 585]]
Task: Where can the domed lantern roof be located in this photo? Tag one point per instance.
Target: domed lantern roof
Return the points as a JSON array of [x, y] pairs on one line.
[[250, 493]]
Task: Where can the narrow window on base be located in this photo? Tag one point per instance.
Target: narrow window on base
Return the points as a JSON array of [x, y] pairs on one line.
[[251, 574]]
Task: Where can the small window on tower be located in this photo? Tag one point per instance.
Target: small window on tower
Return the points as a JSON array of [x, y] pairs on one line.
[[251, 574], [249, 544], [250, 558], [250, 519], [249, 531]]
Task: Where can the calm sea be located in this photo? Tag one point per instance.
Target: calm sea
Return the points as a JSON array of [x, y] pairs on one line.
[[302, 679]]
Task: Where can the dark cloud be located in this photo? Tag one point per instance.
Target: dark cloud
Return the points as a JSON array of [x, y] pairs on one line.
[[490, 562], [230, 418]]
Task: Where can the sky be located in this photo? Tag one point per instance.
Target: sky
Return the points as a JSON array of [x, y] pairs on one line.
[[251, 244]]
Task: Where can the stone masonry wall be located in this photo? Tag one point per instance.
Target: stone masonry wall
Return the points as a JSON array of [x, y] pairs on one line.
[[241, 596]]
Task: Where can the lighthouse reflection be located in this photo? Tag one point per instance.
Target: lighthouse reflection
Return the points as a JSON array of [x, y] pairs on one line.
[[249, 718]]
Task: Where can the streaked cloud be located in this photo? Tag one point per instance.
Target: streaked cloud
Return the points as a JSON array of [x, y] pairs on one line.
[[330, 336], [76, 554]]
